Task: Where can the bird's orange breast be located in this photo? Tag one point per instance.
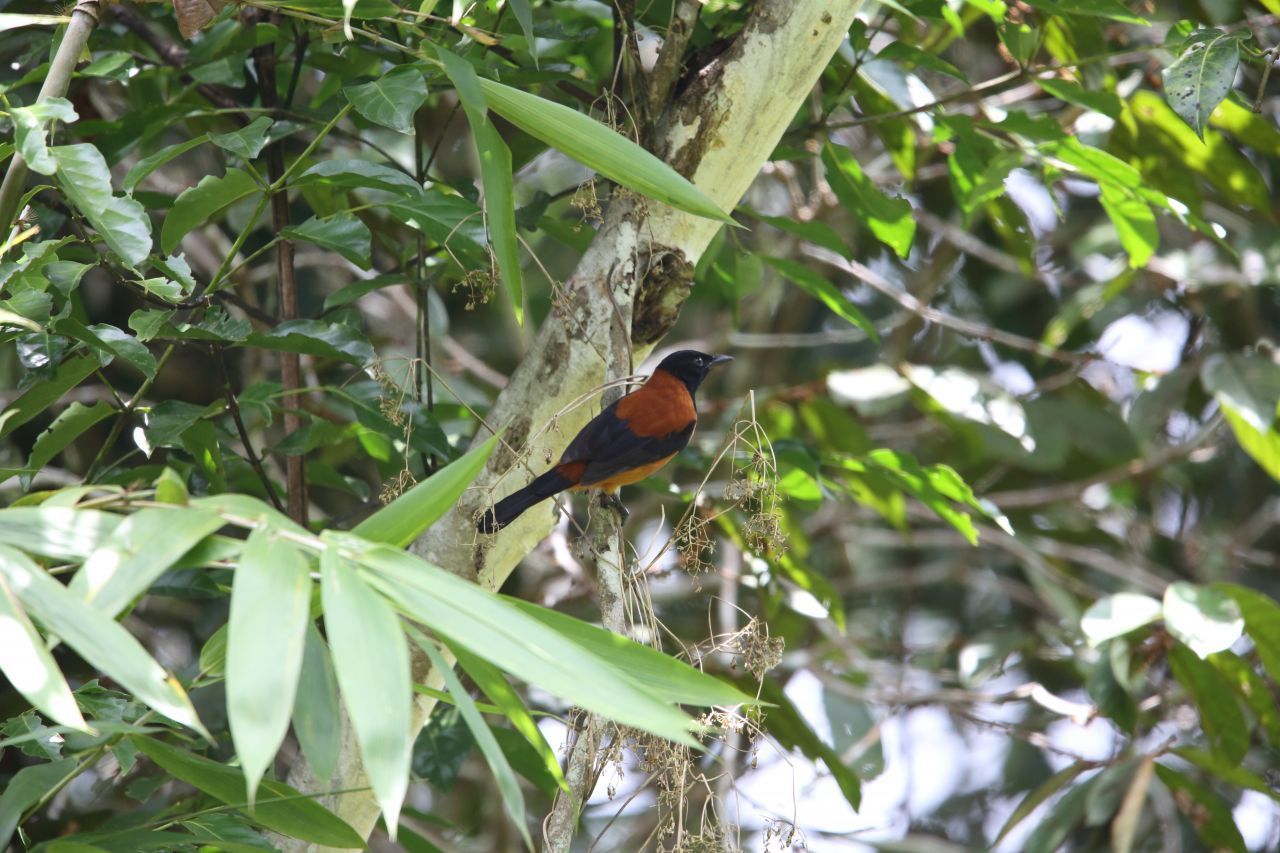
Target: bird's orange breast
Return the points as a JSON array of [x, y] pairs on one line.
[[662, 406]]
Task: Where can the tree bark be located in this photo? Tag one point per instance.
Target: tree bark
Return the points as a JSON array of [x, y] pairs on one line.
[[624, 296]]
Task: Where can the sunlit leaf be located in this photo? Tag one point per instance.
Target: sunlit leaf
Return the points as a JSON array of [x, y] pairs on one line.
[[1117, 615], [270, 604], [29, 667], [1202, 76]]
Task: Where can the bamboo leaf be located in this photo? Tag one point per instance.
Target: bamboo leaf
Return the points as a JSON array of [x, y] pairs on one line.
[[97, 638], [600, 148], [495, 173], [270, 606], [508, 785], [29, 667], [372, 664], [404, 519]]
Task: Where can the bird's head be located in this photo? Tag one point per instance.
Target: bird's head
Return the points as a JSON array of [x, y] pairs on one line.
[[691, 366]]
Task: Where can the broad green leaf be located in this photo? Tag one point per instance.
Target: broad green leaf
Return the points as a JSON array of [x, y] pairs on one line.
[[247, 142], [501, 633], [1233, 774], [1206, 619], [1247, 388], [1134, 221], [785, 723], [60, 533], [889, 219], [450, 220], [30, 125], [1205, 811], [977, 165], [359, 174], [825, 292], [1054, 784], [278, 807], [270, 609], [1252, 687], [495, 173], [909, 56], [1113, 9], [1220, 716], [43, 394], [26, 788], [371, 659], [343, 233], [30, 668], [1117, 615], [1202, 76], [120, 221], [598, 147], [121, 345], [1249, 384], [149, 164], [404, 519], [494, 684], [316, 712], [137, 552], [392, 99], [201, 203], [97, 638], [1262, 621], [815, 231], [1106, 103], [66, 428], [349, 293], [662, 675], [508, 786], [313, 337]]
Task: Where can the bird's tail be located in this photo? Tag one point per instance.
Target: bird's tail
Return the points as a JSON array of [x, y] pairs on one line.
[[510, 508]]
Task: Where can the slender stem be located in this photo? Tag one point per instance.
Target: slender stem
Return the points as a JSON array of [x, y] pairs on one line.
[[129, 409], [290, 362], [84, 18], [234, 406]]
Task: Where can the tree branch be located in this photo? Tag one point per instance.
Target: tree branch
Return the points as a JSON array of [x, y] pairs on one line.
[[84, 18], [718, 133]]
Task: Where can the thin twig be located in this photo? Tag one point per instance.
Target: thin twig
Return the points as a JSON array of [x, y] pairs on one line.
[[233, 405]]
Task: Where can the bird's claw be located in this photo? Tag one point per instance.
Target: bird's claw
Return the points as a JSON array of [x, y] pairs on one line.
[[609, 500]]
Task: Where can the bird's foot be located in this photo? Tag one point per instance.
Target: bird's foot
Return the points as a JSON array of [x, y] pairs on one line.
[[610, 500]]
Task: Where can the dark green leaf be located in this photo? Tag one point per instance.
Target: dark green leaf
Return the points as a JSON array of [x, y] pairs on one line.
[[1204, 810], [25, 789], [45, 393], [312, 337], [247, 142], [344, 233], [1220, 715], [392, 99], [202, 203], [278, 807]]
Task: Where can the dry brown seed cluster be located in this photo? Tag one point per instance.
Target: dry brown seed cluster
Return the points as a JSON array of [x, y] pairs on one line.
[[709, 840], [391, 397], [478, 285], [695, 545], [394, 488], [760, 652], [587, 202]]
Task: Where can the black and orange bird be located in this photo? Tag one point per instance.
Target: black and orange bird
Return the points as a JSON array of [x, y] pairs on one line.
[[628, 441]]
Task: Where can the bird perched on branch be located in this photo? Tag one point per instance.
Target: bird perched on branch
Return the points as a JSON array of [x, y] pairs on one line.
[[628, 441]]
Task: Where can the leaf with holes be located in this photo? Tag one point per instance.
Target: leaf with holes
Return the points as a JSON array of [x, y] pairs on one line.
[[1202, 76]]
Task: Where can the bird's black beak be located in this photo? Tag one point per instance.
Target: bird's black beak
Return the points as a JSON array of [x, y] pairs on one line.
[[719, 359]]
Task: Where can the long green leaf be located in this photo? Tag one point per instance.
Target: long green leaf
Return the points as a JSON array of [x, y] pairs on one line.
[[66, 428], [270, 605], [372, 663], [137, 552], [508, 786], [42, 395], [825, 292], [659, 674], [29, 667], [58, 532], [149, 164], [279, 807], [598, 147], [316, 712], [495, 685], [404, 519], [97, 638], [890, 219], [504, 635], [495, 173]]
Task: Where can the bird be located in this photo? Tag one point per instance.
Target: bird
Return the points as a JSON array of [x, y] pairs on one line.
[[629, 440]]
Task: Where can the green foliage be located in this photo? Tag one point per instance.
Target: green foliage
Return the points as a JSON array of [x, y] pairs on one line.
[[1030, 464]]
